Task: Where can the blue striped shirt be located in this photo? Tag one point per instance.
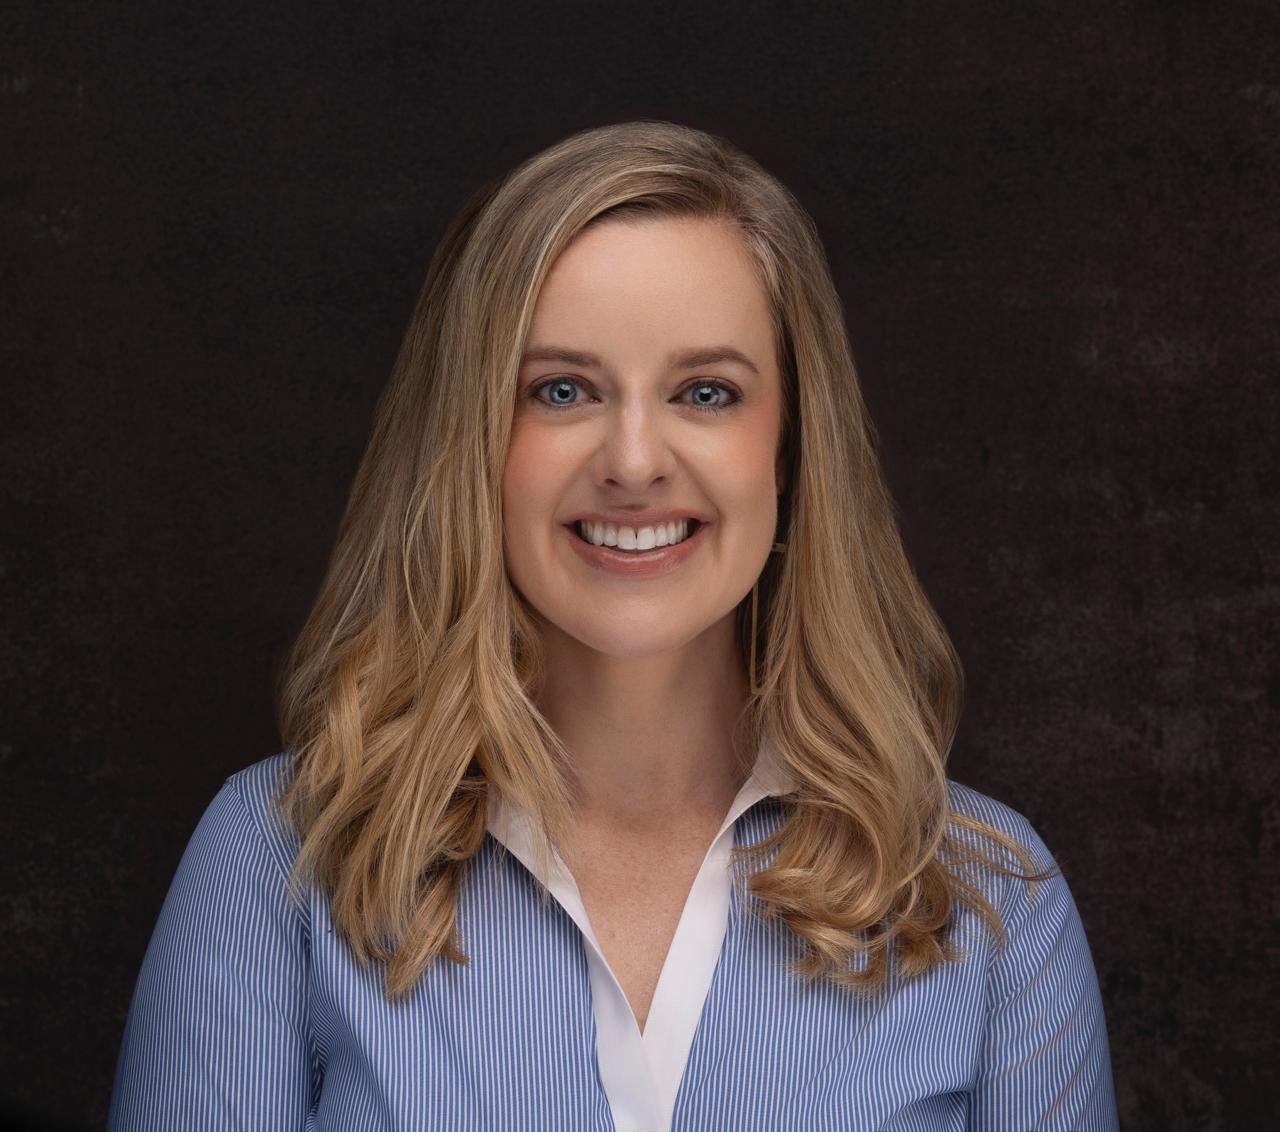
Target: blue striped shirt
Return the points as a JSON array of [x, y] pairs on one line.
[[250, 1013]]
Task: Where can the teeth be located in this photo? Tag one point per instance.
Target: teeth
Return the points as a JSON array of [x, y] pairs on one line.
[[634, 538]]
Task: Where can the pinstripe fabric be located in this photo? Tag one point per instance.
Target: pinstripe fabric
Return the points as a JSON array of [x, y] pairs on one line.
[[641, 1071], [251, 1014]]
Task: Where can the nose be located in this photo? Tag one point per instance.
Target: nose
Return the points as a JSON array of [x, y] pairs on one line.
[[635, 447]]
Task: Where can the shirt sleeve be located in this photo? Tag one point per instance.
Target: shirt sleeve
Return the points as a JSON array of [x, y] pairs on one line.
[[216, 1036], [1046, 1063]]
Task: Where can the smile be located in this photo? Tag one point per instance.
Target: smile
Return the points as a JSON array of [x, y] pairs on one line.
[[635, 539], [637, 564]]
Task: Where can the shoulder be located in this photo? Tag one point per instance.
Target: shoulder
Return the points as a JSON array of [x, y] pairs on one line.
[[218, 1019], [1039, 915], [974, 804], [265, 779], [1042, 903], [1044, 1051], [256, 789], [241, 845]]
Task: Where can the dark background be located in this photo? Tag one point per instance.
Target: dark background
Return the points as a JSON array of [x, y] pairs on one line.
[[1056, 231]]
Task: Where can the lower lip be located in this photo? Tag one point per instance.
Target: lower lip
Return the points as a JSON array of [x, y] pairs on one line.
[[636, 563]]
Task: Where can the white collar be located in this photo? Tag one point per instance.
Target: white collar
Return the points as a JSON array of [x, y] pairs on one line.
[[641, 1073]]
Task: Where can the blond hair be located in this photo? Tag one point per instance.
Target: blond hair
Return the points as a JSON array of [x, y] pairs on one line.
[[410, 692]]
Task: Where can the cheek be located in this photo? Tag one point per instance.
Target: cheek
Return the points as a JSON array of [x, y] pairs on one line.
[[745, 472], [522, 486]]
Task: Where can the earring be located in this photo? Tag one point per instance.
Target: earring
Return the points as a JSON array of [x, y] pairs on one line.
[[780, 547]]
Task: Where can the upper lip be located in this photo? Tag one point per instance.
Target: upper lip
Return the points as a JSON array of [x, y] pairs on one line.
[[635, 518]]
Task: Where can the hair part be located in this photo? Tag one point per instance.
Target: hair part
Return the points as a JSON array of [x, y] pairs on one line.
[[409, 693]]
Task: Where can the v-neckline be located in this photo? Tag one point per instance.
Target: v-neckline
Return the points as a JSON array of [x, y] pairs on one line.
[[641, 1071]]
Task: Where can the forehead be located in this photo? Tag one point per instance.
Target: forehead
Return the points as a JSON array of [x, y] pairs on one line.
[[660, 282]]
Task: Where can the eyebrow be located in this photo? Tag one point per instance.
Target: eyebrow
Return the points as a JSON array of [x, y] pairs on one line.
[[681, 359]]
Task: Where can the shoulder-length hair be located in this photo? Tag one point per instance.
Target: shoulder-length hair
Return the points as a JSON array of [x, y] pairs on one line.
[[409, 693]]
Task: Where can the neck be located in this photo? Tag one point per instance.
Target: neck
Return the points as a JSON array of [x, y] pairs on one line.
[[650, 737]]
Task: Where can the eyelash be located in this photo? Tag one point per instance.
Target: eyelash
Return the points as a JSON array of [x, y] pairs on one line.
[[714, 384]]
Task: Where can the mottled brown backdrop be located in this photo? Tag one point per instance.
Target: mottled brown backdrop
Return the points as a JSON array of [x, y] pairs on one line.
[[1056, 229]]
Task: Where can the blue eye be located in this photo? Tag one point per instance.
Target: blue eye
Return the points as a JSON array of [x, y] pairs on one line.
[[557, 383], [562, 384]]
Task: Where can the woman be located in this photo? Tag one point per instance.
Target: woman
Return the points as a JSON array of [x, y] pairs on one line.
[[614, 793]]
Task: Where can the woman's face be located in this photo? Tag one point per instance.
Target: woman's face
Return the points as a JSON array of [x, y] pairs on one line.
[[617, 418]]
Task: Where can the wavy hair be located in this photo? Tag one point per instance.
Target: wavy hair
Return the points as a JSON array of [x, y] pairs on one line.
[[409, 694]]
